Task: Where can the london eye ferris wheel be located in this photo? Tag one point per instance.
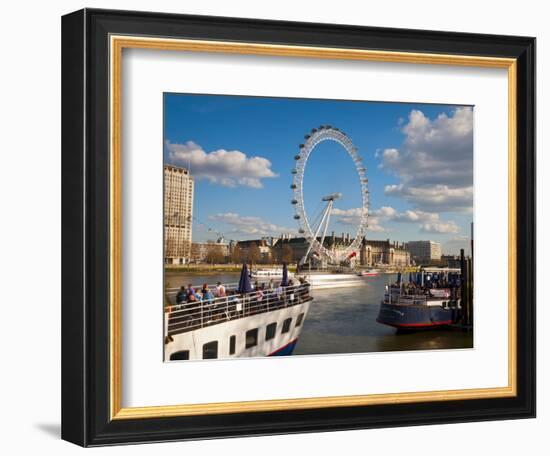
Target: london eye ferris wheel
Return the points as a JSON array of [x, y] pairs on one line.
[[315, 233]]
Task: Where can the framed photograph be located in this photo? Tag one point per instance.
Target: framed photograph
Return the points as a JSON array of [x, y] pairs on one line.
[[278, 227]]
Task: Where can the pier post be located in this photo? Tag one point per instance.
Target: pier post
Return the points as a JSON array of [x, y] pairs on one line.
[[470, 313], [467, 289], [463, 294]]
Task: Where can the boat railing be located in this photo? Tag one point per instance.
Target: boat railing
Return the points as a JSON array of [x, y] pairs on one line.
[[413, 300], [172, 291], [201, 313], [421, 298]]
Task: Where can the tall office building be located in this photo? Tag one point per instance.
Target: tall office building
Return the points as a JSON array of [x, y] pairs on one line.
[[178, 214], [424, 251]]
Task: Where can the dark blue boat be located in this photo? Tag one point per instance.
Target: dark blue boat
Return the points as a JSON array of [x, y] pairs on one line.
[[432, 300]]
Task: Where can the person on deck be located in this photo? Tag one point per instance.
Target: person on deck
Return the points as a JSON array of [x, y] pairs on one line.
[[279, 292], [290, 291], [181, 297], [191, 294], [206, 293], [259, 294], [220, 290]]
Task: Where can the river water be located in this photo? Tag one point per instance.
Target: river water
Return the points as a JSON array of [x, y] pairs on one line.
[[343, 320]]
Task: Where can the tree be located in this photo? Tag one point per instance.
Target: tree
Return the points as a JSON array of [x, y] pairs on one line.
[[287, 254], [214, 254], [237, 255], [254, 254]]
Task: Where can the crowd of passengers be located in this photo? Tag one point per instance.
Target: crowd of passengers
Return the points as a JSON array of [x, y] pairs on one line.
[[271, 291], [414, 288]]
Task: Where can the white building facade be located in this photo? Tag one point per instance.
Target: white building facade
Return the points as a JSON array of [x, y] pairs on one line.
[[178, 214], [424, 251]]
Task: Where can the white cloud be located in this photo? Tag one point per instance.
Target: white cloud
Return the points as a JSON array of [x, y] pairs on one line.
[[353, 217], [388, 213], [434, 198], [427, 221], [227, 168], [355, 212], [408, 216], [435, 161], [375, 228], [390, 157], [384, 211], [373, 223], [250, 225], [440, 227]]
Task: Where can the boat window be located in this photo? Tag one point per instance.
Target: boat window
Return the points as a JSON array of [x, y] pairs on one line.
[[299, 320], [270, 331], [182, 355], [251, 338], [232, 343], [286, 325], [210, 350]]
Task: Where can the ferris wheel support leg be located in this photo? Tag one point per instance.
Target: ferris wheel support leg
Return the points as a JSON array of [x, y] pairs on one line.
[[329, 210], [326, 212]]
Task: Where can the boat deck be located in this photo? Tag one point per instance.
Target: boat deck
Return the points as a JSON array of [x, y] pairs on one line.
[[199, 314]]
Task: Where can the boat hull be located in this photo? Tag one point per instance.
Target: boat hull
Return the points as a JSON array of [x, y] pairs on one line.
[[415, 316]]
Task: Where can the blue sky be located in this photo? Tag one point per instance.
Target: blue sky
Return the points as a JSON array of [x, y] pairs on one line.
[[241, 150]]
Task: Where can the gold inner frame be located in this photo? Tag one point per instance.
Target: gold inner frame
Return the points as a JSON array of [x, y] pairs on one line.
[[117, 44]]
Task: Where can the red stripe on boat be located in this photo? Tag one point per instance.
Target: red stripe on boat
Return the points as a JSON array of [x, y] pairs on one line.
[[283, 347], [416, 325]]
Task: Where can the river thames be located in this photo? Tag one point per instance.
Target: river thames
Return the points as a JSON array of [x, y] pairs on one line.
[[343, 320]]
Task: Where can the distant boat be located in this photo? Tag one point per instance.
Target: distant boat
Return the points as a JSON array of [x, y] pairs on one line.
[[368, 273], [267, 273], [329, 280]]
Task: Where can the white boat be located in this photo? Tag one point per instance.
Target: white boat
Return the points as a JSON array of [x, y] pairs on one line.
[[266, 323], [369, 273], [321, 280], [268, 273]]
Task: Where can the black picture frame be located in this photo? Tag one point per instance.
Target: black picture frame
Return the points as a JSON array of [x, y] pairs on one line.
[[85, 223]]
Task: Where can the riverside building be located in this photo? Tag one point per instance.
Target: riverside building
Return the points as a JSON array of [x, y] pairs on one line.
[[178, 214], [424, 252]]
